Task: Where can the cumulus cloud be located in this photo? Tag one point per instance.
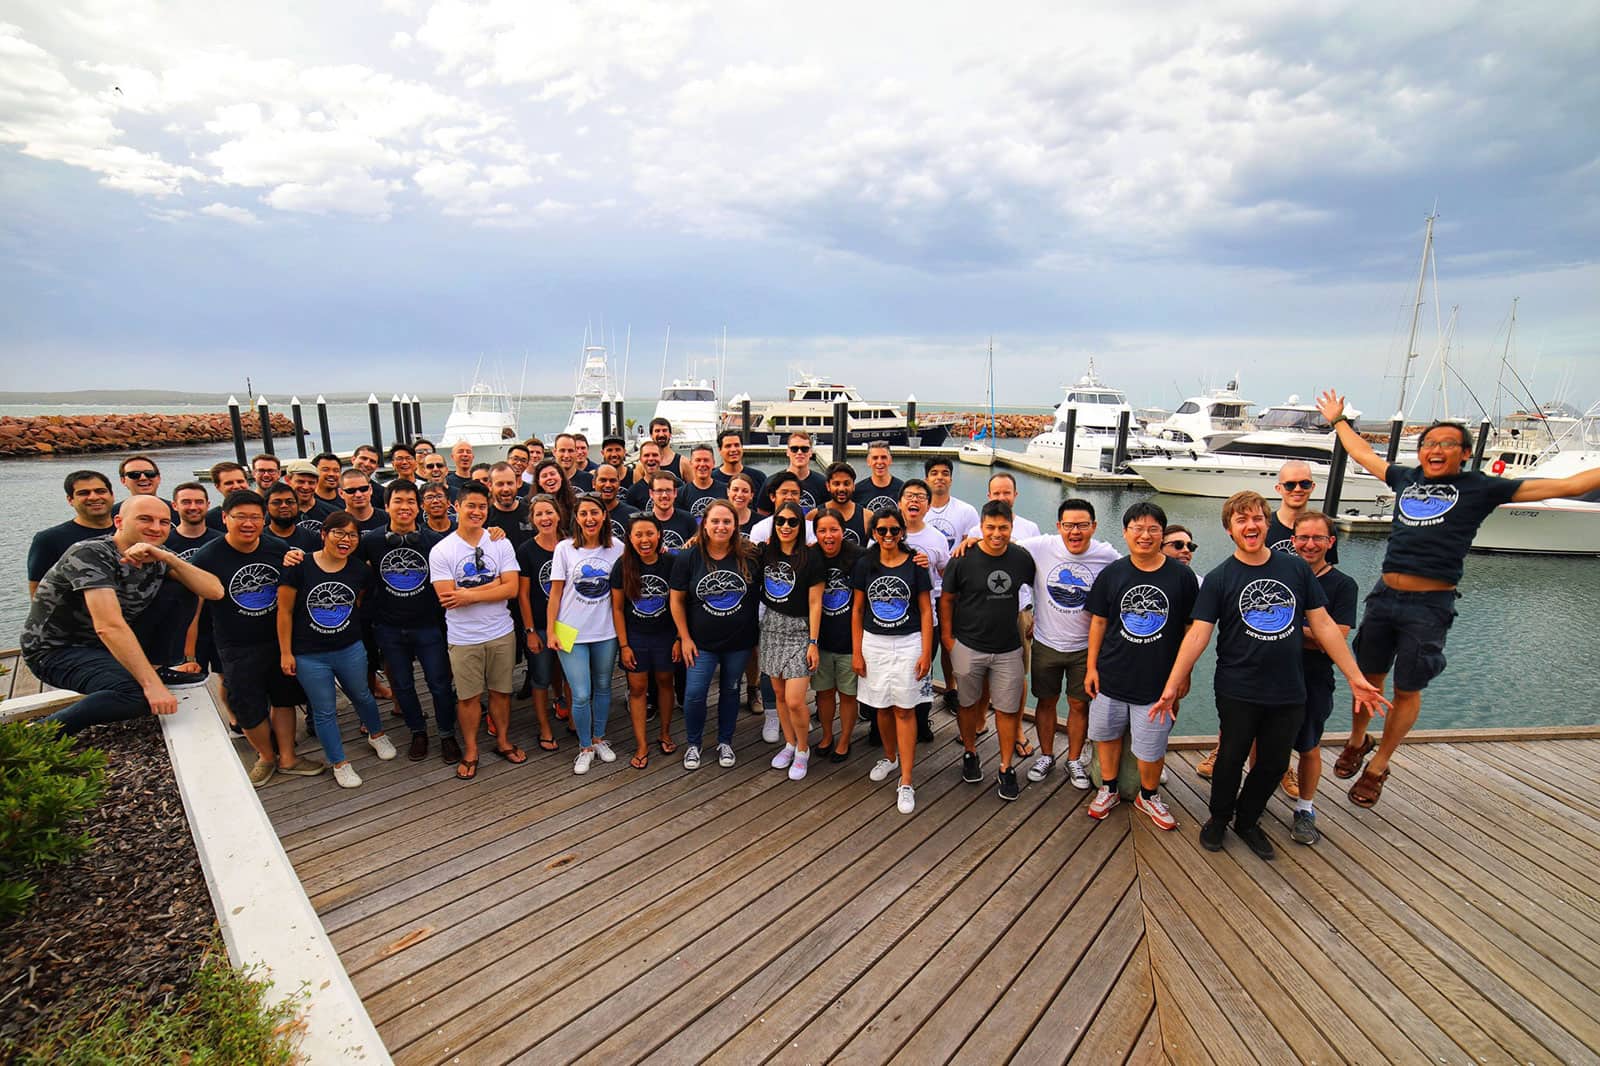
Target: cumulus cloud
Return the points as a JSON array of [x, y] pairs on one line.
[[229, 213]]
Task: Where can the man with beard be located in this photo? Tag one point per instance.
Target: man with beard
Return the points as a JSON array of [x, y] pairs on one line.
[[661, 433], [638, 494], [606, 485], [283, 521], [731, 446], [508, 511], [89, 493], [841, 481], [302, 478], [356, 490], [265, 469]]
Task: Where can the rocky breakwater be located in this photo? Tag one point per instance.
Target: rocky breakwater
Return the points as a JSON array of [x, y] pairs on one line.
[[73, 434], [966, 423]]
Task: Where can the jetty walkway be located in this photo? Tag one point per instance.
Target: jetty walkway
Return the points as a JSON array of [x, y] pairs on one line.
[[735, 916]]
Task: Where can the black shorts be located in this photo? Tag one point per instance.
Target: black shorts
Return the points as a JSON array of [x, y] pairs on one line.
[[652, 652], [1405, 632], [1319, 705], [253, 682]]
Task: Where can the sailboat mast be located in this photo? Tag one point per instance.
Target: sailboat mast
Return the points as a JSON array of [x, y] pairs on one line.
[[1416, 312]]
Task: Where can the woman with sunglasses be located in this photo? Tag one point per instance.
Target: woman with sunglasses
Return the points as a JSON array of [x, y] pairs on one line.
[[791, 591], [835, 680], [550, 479], [536, 557], [641, 593], [319, 640], [892, 637], [580, 597], [714, 608]]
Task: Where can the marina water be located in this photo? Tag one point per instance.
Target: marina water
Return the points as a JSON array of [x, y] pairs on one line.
[[1525, 650]]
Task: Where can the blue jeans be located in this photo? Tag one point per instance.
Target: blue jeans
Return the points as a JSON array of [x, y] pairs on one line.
[[401, 648], [588, 668], [317, 672], [698, 684], [110, 694]]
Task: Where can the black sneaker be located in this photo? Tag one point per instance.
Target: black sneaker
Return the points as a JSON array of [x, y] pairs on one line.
[[1211, 835], [924, 730], [1009, 789], [173, 678], [971, 769], [951, 704], [1256, 839]]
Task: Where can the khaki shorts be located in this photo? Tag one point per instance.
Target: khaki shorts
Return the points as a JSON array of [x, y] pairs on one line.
[[834, 673], [1002, 670], [1051, 668], [483, 666]]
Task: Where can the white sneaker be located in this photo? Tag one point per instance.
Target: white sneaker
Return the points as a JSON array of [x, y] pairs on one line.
[[1103, 801], [771, 732], [724, 755], [784, 757], [691, 757], [1163, 775], [602, 749], [882, 769], [1078, 775], [1041, 768], [585, 759], [797, 769], [346, 776], [383, 747], [905, 799]]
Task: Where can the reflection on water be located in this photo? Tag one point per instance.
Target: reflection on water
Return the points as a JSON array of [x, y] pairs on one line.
[[1522, 620]]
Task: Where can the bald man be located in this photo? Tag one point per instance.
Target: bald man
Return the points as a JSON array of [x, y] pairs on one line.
[[80, 630], [1295, 485]]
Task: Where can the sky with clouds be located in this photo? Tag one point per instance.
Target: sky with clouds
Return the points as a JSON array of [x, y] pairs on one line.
[[335, 197]]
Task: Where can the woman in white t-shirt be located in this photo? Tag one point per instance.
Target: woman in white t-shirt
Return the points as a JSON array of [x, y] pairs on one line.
[[580, 597]]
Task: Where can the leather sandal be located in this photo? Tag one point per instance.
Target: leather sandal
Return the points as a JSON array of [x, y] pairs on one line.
[[1367, 789], [1351, 759]]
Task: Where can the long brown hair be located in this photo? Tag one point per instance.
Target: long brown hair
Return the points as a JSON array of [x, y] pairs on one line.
[[741, 550], [632, 563], [801, 549]]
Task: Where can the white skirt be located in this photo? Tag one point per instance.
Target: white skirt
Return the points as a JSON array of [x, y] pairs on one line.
[[891, 679]]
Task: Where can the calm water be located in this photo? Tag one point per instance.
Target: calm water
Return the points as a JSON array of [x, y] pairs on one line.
[[1522, 618]]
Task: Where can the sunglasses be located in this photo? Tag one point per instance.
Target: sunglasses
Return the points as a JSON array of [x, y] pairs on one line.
[[140, 475], [1304, 483], [1182, 545], [786, 521], [356, 490], [799, 447], [886, 531]]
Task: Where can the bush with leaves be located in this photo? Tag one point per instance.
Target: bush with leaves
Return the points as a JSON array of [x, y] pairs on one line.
[[47, 785]]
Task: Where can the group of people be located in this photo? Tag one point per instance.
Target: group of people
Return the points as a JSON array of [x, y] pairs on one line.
[[689, 569]]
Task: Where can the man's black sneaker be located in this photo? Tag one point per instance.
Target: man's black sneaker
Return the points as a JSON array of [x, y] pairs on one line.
[[174, 678], [951, 704], [1256, 839], [971, 769], [924, 730], [1009, 790], [1211, 835]]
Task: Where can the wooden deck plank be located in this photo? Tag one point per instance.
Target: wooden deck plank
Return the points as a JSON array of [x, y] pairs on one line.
[[1148, 1048], [1192, 1025], [1112, 1031]]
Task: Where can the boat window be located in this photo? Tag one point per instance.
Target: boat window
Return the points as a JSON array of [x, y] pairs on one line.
[[687, 395], [811, 394], [1288, 418], [1187, 407]]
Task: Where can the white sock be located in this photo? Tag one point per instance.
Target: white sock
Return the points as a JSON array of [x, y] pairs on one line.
[[1304, 805]]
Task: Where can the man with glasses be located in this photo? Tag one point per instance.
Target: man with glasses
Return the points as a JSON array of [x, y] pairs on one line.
[[1178, 543], [89, 494], [813, 490], [266, 470], [677, 528], [141, 477], [367, 459], [1294, 488], [473, 575], [435, 471], [517, 457], [1437, 510], [404, 461], [436, 508], [730, 445], [661, 433], [283, 521], [355, 490]]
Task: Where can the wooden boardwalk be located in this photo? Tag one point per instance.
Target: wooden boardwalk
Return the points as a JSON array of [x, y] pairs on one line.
[[735, 916]]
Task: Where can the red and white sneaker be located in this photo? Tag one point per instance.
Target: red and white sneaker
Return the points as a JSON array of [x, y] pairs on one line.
[[1156, 808], [1103, 801]]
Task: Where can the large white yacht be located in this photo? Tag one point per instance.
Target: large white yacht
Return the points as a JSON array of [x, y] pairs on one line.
[[809, 407], [1208, 421], [1099, 410], [1548, 527], [596, 381], [485, 418], [691, 407]]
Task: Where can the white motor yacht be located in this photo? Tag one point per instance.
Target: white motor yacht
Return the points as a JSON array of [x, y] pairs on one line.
[[1099, 410], [1207, 422], [595, 382], [483, 417], [1548, 527], [809, 407], [691, 407]]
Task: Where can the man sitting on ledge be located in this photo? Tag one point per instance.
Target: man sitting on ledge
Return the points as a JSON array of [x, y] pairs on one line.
[[80, 631]]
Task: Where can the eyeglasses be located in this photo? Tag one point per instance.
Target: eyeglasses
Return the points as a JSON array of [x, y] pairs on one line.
[[1304, 483], [1440, 445], [140, 475], [344, 534], [921, 497], [802, 448], [887, 531], [1311, 538], [1181, 545], [786, 522], [1077, 527]]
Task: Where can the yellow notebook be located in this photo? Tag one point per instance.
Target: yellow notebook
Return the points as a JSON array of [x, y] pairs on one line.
[[567, 635]]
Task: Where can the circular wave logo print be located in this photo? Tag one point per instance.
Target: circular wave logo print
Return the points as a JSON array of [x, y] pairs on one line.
[[698, 508], [310, 525], [618, 532], [880, 503], [592, 581], [1423, 502], [836, 593], [1285, 545], [653, 592], [778, 580], [889, 599], [331, 604], [403, 569], [853, 537], [1069, 586], [254, 587], [1144, 610], [945, 529], [544, 578], [721, 591], [475, 576], [808, 502], [1267, 606], [671, 541]]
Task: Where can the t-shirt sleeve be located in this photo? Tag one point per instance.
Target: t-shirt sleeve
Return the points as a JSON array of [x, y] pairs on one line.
[[1208, 602], [1314, 596], [1191, 592], [1099, 601], [292, 576], [559, 562], [681, 565], [1030, 569], [616, 574], [859, 576], [813, 574], [1397, 476], [1500, 490], [37, 550], [952, 577], [507, 557], [439, 564], [1343, 603]]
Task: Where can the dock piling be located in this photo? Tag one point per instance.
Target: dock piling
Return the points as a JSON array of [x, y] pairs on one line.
[[744, 419], [1336, 466], [405, 419], [416, 416], [605, 415], [1397, 425], [299, 427], [266, 424], [912, 429], [399, 423], [619, 421], [1482, 445], [1071, 442], [374, 421], [841, 430], [238, 430], [322, 424], [1119, 457]]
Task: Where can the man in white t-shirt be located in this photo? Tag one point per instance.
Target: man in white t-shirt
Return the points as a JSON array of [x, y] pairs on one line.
[[949, 516], [1065, 567], [474, 576], [919, 536]]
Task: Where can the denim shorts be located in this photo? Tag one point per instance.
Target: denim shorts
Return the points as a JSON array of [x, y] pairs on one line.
[[652, 652], [1319, 706], [1405, 632]]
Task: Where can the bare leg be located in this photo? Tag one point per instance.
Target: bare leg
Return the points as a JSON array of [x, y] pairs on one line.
[[541, 712], [889, 734], [638, 693], [469, 716], [847, 722], [905, 730], [1149, 774], [970, 720], [664, 702], [500, 714], [1110, 752], [1077, 727], [284, 720], [825, 702], [1008, 724], [1360, 719], [1310, 773], [1402, 716], [260, 738], [1044, 723]]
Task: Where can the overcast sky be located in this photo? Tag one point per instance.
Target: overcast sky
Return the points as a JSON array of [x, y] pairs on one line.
[[333, 198]]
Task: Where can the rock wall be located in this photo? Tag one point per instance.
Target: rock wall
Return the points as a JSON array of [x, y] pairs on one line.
[[969, 422], [72, 434]]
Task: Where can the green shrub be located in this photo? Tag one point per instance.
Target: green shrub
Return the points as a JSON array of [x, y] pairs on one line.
[[223, 1021], [46, 785]]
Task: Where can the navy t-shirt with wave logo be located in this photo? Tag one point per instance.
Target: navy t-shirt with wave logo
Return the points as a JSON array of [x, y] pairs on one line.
[[872, 498], [1259, 612], [651, 612], [400, 593], [834, 635], [786, 584], [1146, 613], [892, 607], [325, 610], [535, 563], [1435, 519], [247, 614], [722, 601]]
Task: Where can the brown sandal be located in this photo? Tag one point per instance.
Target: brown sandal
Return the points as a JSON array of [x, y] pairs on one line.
[[639, 762], [1367, 789], [1351, 759], [471, 768]]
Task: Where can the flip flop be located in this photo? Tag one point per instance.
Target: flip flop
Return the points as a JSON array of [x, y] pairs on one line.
[[513, 754], [548, 744], [666, 745], [639, 762], [1024, 748], [471, 768]]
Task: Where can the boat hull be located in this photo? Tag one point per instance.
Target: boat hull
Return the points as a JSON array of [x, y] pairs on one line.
[[1549, 527], [1217, 477], [929, 436]]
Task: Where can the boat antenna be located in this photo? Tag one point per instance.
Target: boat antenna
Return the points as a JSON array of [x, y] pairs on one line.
[[1416, 307], [627, 350], [665, 346], [521, 386]]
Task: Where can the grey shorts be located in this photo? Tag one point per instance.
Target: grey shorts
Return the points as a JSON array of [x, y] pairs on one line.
[[1002, 671], [1109, 718], [483, 666], [834, 673], [1051, 668]]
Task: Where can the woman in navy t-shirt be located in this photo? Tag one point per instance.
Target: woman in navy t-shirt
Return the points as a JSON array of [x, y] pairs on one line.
[[641, 602]]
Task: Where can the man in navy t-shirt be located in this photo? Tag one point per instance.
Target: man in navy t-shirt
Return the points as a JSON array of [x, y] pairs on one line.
[[1437, 510]]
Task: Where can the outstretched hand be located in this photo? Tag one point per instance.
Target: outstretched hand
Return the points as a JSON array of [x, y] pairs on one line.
[[1331, 405], [1368, 697]]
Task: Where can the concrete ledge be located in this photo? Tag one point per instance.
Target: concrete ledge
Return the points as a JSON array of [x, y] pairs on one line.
[[260, 903], [1430, 736], [27, 708]]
